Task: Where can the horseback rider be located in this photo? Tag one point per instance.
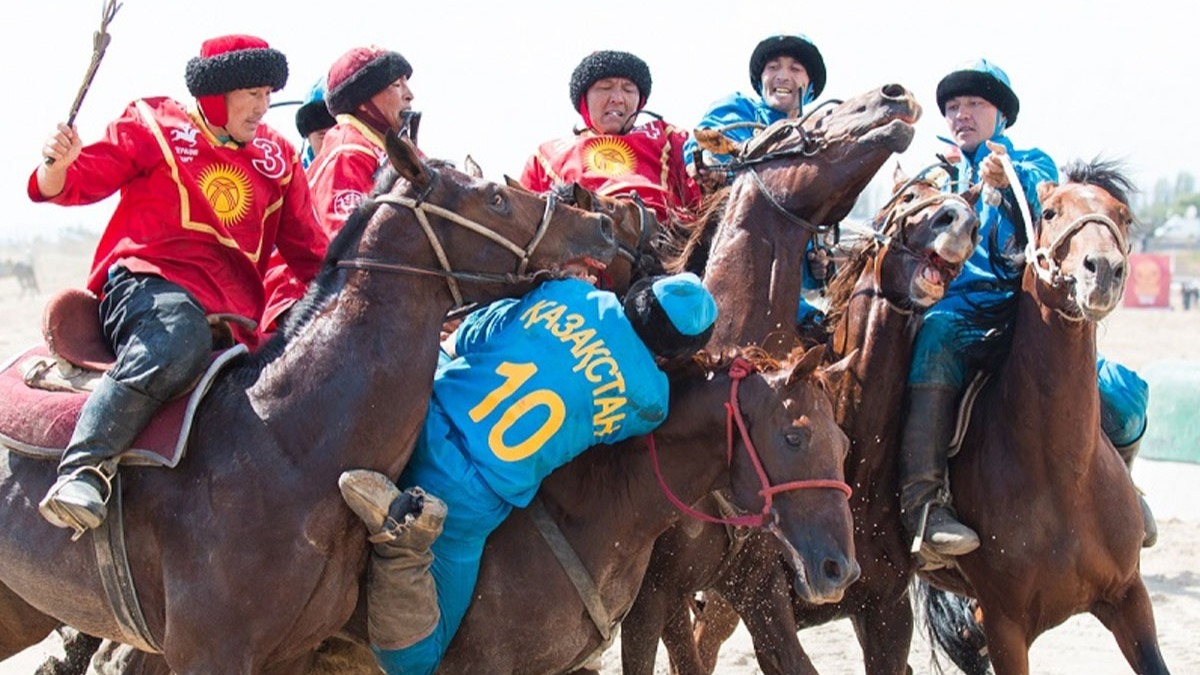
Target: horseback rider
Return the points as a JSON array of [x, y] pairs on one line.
[[980, 105], [612, 154], [567, 367], [206, 192], [313, 121], [786, 72], [367, 92]]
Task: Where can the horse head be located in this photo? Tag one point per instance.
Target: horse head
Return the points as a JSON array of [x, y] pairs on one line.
[[635, 227], [792, 470], [1081, 255], [818, 165], [929, 234], [457, 213]]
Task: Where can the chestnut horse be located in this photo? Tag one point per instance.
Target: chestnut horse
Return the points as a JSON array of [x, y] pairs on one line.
[[917, 246], [253, 512], [1057, 514], [797, 178]]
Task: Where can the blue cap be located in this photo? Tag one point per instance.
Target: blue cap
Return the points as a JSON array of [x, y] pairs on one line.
[[686, 302]]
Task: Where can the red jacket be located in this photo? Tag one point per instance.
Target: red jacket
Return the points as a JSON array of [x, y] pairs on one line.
[[199, 213], [648, 159], [340, 177]]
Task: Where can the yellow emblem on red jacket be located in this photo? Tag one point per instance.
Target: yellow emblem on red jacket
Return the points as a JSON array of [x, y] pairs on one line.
[[227, 189], [610, 156]]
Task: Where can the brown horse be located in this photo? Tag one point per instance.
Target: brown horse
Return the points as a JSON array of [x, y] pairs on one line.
[[253, 513], [1056, 512], [795, 179], [917, 246]]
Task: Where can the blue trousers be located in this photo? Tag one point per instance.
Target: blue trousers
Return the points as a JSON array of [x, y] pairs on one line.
[[938, 359], [473, 512]]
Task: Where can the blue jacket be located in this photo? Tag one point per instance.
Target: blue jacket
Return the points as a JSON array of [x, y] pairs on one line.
[[1033, 167], [536, 381], [732, 109]]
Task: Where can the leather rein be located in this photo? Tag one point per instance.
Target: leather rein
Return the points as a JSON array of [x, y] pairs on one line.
[[738, 371], [420, 208]]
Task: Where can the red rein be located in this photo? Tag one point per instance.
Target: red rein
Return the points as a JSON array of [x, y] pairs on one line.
[[738, 371]]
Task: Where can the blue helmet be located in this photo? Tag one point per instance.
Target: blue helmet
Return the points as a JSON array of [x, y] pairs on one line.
[[984, 79], [798, 47], [673, 315]]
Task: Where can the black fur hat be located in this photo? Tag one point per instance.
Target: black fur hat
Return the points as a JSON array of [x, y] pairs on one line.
[[234, 62], [313, 116], [798, 47], [361, 73], [983, 79], [599, 65]]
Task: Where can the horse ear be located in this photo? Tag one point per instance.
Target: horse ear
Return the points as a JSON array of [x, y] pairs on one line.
[[838, 371], [714, 141], [898, 175], [514, 183], [404, 156], [583, 197], [806, 365], [972, 194], [472, 168], [1044, 189]]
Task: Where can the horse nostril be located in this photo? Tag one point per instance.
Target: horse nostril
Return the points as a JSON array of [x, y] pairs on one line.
[[1119, 272], [831, 569], [606, 227], [893, 91], [1089, 263]]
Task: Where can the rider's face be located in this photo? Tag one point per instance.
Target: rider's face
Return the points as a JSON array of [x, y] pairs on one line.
[[784, 80], [246, 108], [393, 100], [611, 102], [971, 120]]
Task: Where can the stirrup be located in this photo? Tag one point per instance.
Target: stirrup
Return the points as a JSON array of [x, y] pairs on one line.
[[58, 515]]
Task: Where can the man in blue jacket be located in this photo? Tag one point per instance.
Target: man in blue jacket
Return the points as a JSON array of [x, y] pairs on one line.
[[532, 383], [980, 105]]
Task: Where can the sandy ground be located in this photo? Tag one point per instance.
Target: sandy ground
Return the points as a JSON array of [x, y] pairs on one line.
[[1081, 646]]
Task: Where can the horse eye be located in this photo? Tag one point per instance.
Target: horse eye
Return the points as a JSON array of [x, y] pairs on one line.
[[1049, 214], [908, 197], [498, 200], [796, 438]]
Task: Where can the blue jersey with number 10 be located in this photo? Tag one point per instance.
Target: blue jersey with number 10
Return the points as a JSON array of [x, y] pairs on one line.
[[538, 380]]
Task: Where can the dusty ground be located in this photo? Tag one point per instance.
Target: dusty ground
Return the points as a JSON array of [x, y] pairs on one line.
[[1081, 646]]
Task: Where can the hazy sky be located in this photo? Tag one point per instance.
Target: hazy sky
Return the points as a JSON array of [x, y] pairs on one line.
[[491, 78]]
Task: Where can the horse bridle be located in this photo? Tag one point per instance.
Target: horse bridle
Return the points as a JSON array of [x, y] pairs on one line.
[[633, 255], [738, 371], [420, 207]]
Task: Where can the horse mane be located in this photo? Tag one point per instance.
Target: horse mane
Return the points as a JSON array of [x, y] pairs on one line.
[[1106, 174], [845, 278], [686, 244]]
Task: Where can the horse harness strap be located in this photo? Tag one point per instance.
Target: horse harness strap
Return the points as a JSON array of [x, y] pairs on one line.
[[112, 561], [782, 210], [573, 566], [739, 370], [420, 208]]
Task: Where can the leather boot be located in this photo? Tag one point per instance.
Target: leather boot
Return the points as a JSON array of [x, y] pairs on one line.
[[402, 604], [1149, 526], [924, 497], [109, 422]]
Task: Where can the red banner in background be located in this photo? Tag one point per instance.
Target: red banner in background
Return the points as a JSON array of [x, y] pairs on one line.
[[1149, 282]]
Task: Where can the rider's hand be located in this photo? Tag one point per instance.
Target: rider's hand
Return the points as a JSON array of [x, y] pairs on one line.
[[991, 169], [61, 149], [820, 264]]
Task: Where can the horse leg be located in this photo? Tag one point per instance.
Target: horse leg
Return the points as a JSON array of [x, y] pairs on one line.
[[681, 645], [21, 626], [1132, 623], [714, 624], [884, 629], [1007, 643], [766, 609], [642, 628]]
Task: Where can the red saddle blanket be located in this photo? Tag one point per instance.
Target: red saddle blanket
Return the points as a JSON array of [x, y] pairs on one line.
[[39, 423]]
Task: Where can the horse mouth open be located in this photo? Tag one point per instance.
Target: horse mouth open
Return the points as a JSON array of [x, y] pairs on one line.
[[930, 282]]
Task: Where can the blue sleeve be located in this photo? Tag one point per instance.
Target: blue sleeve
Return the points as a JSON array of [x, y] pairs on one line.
[[731, 109], [481, 324], [1033, 167]]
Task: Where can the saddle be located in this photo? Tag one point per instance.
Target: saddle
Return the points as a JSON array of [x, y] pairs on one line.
[[43, 389]]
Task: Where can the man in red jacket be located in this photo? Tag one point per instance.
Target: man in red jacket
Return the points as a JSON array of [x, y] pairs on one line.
[[612, 155], [207, 192], [367, 92]]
